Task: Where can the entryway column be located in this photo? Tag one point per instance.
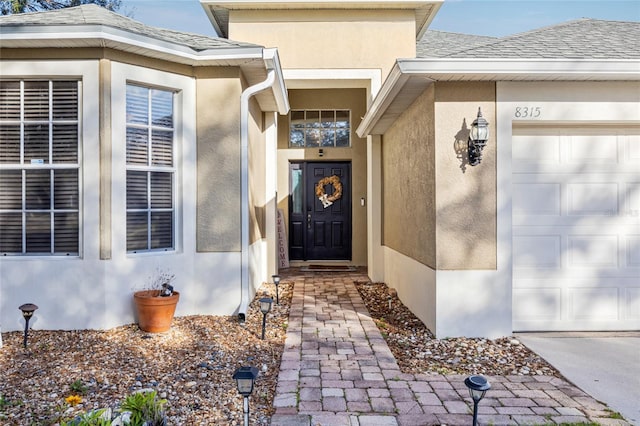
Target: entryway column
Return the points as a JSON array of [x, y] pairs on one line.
[[375, 251]]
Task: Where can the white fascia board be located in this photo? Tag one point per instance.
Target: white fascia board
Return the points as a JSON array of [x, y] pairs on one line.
[[213, 19], [279, 88], [493, 70], [563, 69], [326, 4], [390, 89], [102, 35], [423, 26]]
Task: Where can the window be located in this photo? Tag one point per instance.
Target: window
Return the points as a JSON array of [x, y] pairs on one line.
[[319, 128], [39, 167], [150, 169]]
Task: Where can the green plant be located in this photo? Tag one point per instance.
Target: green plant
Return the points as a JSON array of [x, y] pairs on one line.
[[4, 403], [145, 409], [78, 387], [92, 418]]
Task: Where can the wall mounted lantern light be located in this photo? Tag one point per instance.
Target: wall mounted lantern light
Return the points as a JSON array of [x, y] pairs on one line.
[[245, 378], [27, 312], [478, 386], [478, 136]]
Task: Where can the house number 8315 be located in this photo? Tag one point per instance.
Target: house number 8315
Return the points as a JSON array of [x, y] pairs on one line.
[[527, 112]]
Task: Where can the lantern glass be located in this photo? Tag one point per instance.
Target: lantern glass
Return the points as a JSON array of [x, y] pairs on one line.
[[245, 386], [479, 128], [28, 309], [276, 279], [478, 386], [265, 304], [476, 395], [245, 377]]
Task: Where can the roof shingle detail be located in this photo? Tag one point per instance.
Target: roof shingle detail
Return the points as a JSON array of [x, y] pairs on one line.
[[91, 14], [441, 43], [579, 39]]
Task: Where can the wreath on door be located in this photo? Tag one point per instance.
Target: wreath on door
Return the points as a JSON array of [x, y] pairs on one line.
[[328, 200]]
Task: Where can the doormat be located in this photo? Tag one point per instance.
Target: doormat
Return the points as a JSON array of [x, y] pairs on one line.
[[328, 268]]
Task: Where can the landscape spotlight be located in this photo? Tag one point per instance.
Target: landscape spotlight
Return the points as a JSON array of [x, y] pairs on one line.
[[276, 281], [245, 378], [478, 386], [265, 307], [27, 312]]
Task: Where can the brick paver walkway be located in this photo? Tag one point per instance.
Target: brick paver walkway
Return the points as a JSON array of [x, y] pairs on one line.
[[337, 370]]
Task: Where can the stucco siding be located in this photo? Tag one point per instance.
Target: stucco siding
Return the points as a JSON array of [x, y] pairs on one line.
[[409, 183], [465, 195], [329, 38], [218, 160]]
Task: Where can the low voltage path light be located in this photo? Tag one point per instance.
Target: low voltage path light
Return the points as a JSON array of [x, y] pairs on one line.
[[478, 386], [478, 136], [245, 378], [27, 312], [276, 281], [265, 307]]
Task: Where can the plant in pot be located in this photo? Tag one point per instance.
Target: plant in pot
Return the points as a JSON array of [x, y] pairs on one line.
[[156, 304]]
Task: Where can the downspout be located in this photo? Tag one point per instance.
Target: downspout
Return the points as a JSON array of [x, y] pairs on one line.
[[244, 188]]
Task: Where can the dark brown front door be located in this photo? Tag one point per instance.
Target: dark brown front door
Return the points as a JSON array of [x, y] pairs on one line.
[[320, 211]]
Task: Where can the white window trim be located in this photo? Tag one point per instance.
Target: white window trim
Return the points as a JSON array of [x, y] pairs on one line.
[[185, 159], [88, 181]]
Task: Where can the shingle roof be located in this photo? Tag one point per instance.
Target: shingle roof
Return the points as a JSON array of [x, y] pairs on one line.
[[91, 14], [441, 43], [579, 39]]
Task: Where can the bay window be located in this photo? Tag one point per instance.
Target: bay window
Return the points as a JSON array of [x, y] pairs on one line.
[[150, 169]]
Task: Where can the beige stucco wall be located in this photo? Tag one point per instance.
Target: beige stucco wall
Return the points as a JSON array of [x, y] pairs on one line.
[[438, 210], [409, 176], [218, 163], [326, 39], [354, 100], [465, 196]]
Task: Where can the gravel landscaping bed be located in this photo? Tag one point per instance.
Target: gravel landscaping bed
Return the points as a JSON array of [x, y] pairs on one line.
[[417, 351], [191, 365]]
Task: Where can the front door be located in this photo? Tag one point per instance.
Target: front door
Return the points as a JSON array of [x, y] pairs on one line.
[[320, 211]]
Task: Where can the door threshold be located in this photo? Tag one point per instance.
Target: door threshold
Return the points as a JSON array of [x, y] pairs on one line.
[[328, 268]]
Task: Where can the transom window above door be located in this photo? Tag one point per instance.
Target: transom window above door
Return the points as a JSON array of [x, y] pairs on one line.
[[319, 128]]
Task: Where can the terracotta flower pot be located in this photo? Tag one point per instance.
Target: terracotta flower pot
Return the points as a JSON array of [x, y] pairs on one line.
[[155, 313]]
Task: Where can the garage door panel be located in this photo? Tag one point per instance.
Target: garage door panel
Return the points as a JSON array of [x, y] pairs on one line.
[[633, 251], [592, 251], [632, 201], [632, 149], [585, 199], [585, 150], [592, 303], [576, 229], [537, 304], [537, 150], [536, 199], [536, 251], [632, 303]]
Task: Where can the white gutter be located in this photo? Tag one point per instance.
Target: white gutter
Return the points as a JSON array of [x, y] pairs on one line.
[[244, 188], [104, 36]]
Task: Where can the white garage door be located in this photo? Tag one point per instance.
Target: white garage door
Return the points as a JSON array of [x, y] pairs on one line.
[[576, 229]]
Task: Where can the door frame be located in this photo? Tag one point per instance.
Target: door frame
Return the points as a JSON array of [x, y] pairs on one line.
[[299, 219]]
